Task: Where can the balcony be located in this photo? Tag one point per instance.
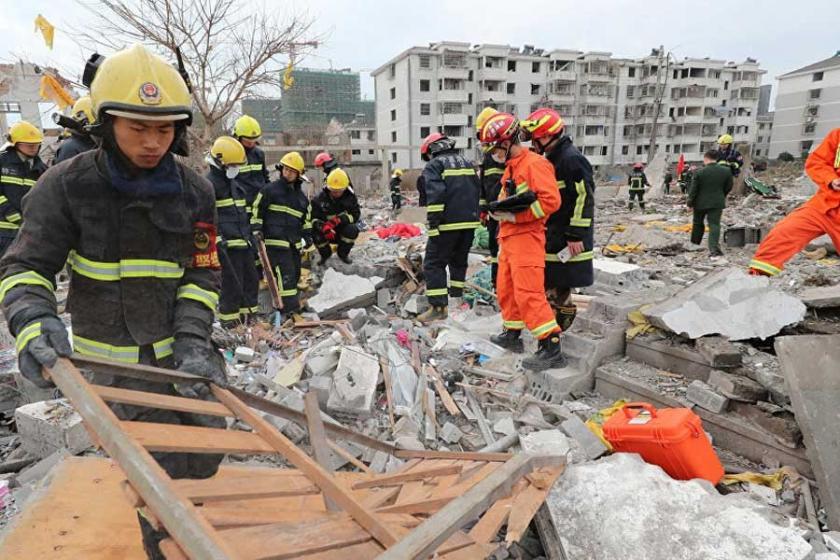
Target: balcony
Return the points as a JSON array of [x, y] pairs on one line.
[[452, 95], [454, 119], [496, 73], [453, 72], [565, 75], [495, 96]]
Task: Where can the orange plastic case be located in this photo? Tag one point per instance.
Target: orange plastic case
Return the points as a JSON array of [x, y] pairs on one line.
[[672, 438]]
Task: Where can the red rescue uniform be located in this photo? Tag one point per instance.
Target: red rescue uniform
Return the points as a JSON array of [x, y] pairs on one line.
[[818, 216], [522, 247]]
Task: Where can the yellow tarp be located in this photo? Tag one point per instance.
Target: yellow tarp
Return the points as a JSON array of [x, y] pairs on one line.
[[52, 90], [640, 324], [772, 480], [596, 422], [46, 28]]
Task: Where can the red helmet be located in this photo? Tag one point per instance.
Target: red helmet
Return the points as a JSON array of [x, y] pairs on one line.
[[499, 128], [543, 123], [638, 165], [322, 158], [434, 143]]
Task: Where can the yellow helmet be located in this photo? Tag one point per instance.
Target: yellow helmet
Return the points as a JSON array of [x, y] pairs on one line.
[[725, 139], [247, 127], [136, 83], [398, 172], [228, 151], [83, 109], [294, 161], [483, 117], [338, 180], [25, 132]]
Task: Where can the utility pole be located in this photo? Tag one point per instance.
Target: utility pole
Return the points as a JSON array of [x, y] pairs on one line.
[[664, 59]]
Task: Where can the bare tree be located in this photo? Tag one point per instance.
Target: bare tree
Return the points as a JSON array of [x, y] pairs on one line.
[[228, 53]]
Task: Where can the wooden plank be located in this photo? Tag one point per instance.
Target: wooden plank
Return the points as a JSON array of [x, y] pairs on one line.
[[386, 376], [228, 517], [362, 551], [488, 526], [157, 400], [230, 489], [423, 541], [318, 439], [349, 457], [178, 515], [375, 499], [410, 492], [471, 552], [445, 398], [396, 479], [483, 425], [526, 504], [328, 485], [193, 439], [464, 456]]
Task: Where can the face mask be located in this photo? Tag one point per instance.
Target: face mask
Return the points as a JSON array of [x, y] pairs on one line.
[[232, 171], [497, 159]]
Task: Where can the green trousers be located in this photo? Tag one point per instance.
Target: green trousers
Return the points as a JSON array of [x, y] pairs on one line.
[[712, 217]]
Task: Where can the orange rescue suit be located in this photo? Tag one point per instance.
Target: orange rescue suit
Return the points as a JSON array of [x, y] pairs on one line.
[[520, 282], [820, 215]]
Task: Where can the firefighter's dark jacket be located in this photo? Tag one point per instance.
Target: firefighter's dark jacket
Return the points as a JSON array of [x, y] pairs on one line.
[[345, 207], [574, 178], [231, 206], [283, 214], [491, 174], [73, 146], [637, 180], [452, 193], [144, 268], [253, 176], [731, 158], [394, 185], [17, 177]]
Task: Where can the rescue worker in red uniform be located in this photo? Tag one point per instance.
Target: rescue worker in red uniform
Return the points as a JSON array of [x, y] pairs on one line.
[[572, 225], [283, 216], [522, 245], [240, 280], [20, 167], [820, 215], [452, 192], [335, 213], [490, 173], [138, 229]]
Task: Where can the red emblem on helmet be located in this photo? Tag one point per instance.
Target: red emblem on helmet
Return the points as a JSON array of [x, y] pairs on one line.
[[149, 94]]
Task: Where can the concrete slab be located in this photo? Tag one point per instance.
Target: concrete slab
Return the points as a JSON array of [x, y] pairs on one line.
[[736, 387], [820, 297], [718, 351], [618, 275], [354, 383], [589, 443], [339, 292], [704, 396], [48, 426], [730, 303], [810, 365]]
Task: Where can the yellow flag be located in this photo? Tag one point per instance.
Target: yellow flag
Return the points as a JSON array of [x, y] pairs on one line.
[[46, 28], [288, 79], [53, 90]]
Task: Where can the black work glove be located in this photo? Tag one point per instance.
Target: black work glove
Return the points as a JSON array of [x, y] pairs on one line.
[[199, 357], [40, 343]]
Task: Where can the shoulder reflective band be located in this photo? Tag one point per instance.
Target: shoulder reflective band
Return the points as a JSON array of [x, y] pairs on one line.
[[224, 202], [285, 209], [577, 216], [493, 171], [537, 210], [467, 171], [126, 268], [458, 226], [30, 278], [199, 294], [837, 158], [126, 354], [765, 267], [435, 208], [27, 333], [544, 329]]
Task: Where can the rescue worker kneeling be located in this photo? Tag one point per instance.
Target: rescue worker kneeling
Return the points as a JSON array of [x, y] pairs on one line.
[[335, 213], [139, 231], [240, 280], [452, 192], [282, 215], [522, 245]]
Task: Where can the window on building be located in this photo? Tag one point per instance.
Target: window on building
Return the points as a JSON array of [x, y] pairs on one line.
[[356, 134], [425, 61], [393, 136], [760, 139], [371, 135], [715, 74], [815, 94], [425, 85], [469, 99], [425, 131], [451, 108], [393, 93], [730, 130], [511, 66], [809, 128], [805, 145], [811, 111], [356, 152], [631, 72], [393, 114], [726, 85], [603, 150], [511, 87], [625, 150], [631, 92], [393, 157], [535, 67], [589, 150], [470, 76], [638, 150], [535, 89], [425, 109], [746, 130], [758, 152], [393, 71], [9, 107], [817, 77]]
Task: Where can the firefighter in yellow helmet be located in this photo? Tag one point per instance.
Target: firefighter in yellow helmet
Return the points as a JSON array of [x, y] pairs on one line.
[[490, 173], [253, 176], [80, 139], [20, 167], [240, 279], [728, 155], [335, 213], [138, 229], [396, 191], [282, 216]]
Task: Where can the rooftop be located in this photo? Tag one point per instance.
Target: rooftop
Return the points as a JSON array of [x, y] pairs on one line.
[[825, 64]]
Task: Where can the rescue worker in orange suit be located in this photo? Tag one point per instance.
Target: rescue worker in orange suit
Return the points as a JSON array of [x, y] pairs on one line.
[[20, 167], [282, 215], [522, 244], [820, 215], [335, 213], [138, 229], [571, 226], [452, 191], [490, 172], [240, 280]]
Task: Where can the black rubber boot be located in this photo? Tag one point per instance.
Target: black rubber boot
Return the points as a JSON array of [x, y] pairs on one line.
[[510, 340], [548, 356]]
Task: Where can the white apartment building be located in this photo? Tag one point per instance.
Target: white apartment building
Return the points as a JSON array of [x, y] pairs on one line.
[[608, 103], [807, 107]]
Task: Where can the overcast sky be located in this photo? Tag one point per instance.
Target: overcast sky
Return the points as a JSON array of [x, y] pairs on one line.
[[363, 34]]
